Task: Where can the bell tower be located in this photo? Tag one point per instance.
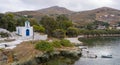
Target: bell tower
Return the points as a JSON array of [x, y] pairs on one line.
[[27, 24]]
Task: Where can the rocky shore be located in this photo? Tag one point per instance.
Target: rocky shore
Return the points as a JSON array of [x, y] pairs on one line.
[[101, 35], [26, 54], [44, 57]]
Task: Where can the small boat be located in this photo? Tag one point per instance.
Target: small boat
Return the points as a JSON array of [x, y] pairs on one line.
[[83, 47], [106, 56], [92, 56]]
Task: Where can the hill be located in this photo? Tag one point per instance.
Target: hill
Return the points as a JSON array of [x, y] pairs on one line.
[[105, 14], [55, 10]]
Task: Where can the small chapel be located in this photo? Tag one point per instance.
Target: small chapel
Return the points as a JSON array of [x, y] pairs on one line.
[[25, 31]]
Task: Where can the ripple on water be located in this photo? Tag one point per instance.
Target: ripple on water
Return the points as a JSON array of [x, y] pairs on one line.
[[102, 46]]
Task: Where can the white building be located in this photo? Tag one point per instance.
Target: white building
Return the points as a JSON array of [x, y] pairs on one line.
[[101, 27], [118, 28], [25, 31]]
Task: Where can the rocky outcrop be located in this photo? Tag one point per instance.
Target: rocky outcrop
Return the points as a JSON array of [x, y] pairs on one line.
[[42, 58]]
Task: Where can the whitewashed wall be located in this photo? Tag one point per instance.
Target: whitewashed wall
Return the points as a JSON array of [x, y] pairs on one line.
[[22, 31], [38, 36]]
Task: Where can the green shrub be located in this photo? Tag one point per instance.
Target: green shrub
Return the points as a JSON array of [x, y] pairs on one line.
[[59, 33], [66, 43], [38, 28], [72, 32], [44, 46], [2, 34], [56, 43]]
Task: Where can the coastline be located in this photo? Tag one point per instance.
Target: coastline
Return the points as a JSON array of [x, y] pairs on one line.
[[100, 35], [26, 54]]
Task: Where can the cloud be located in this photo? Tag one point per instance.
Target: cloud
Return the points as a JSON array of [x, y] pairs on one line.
[[75, 5]]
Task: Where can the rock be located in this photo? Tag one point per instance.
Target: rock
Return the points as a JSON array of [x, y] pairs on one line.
[[44, 57], [72, 53]]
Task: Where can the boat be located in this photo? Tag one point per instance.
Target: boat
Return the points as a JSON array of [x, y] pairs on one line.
[[83, 47], [92, 56], [106, 56]]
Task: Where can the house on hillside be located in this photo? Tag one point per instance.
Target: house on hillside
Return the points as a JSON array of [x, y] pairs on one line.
[[25, 31], [118, 27], [101, 27]]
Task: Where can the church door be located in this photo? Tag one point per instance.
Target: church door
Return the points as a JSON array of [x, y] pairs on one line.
[[27, 32]]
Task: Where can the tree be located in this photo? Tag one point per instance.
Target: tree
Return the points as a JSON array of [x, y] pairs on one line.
[[72, 32], [95, 24], [62, 18], [38, 28], [63, 22], [33, 21], [49, 24], [1, 15], [21, 21], [11, 26], [8, 22], [91, 26], [59, 33]]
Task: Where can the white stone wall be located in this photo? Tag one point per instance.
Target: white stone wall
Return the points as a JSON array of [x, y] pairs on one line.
[[118, 28], [38, 36], [22, 31]]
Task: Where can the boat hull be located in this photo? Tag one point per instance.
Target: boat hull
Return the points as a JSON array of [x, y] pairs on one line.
[[106, 56]]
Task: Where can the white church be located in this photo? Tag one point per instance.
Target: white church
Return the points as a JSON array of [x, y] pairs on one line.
[[25, 31]]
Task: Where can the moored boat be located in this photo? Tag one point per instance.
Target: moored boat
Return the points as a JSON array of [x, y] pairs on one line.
[[106, 56]]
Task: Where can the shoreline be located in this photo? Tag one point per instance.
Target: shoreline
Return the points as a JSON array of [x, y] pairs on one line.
[[101, 35], [26, 54], [43, 58]]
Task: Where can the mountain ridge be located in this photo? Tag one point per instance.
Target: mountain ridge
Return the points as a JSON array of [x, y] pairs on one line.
[[105, 14]]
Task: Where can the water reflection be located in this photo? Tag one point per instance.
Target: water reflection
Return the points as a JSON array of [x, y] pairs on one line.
[[98, 46], [61, 61], [102, 46]]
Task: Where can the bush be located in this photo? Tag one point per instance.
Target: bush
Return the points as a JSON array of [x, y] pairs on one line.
[[44, 46], [2, 34], [38, 28], [72, 32], [66, 43], [59, 33], [56, 43]]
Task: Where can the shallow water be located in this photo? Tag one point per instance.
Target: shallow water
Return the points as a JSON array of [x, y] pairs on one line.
[[102, 46], [98, 46]]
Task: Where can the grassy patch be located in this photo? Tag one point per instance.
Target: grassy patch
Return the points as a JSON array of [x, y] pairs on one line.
[[49, 46], [56, 44], [66, 43], [44, 46]]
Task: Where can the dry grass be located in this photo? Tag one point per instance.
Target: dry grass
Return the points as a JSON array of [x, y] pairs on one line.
[[25, 50]]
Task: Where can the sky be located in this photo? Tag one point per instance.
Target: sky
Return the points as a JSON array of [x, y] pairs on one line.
[[74, 5]]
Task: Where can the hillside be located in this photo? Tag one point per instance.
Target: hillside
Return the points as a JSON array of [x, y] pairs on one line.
[[55, 10], [105, 14]]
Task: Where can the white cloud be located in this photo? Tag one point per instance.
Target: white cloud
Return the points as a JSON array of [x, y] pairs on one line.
[[75, 5]]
